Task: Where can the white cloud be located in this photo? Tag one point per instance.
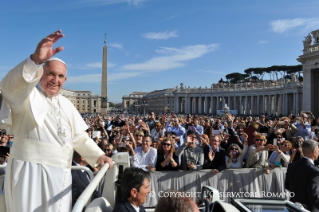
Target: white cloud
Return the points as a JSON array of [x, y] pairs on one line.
[[211, 72], [175, 58], [135, 2], [89, 78], [95, 65], [96, 78], [263, 42], [283, 25], [160, 35], [116, 45]]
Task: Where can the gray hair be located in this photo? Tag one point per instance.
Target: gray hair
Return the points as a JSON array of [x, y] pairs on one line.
[[309, 146], [230, 146]]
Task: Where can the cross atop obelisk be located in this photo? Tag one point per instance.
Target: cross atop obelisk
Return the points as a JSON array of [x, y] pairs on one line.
[[104, 99]]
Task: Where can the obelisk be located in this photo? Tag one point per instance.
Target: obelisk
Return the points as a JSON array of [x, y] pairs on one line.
[[104, 80]]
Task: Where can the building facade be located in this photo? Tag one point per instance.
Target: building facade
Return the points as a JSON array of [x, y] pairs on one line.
[[250, 98], [84, 101]]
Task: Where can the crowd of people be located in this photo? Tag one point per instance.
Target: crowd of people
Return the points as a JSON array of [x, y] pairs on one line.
[[195, 142]]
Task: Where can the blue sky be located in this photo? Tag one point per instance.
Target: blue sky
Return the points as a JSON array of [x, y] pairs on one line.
[[157, 44]]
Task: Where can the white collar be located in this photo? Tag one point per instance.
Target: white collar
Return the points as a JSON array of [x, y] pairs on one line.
[[310, 160], [136, 208]]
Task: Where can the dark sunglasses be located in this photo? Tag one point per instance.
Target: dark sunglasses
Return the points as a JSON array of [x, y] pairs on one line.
[[259, 140], [173, 137], [234, 149], [285, 145], [108, 150], [279, 137], [166, 144]]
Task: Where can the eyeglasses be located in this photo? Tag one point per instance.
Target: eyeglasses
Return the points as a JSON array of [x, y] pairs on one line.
[[285, 145], [259, 140], [279, 137], [145, 141], [166, 144], [173, 137], [138, 135], [10, 137], [234, 149], [108, 150]]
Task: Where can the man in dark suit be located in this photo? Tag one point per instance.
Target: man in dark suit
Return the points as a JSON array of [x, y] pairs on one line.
[[80, 179], [135, 187], [214, 156], [302, 177]]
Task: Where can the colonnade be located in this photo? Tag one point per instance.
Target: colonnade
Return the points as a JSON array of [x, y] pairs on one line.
[[247, 104]]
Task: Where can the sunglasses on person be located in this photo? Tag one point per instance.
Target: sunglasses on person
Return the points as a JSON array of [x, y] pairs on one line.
[[173, 137], [234, 149], [285, 145], [166, 144], [259, 140], [279, 137], [108, 150], [138, 135]]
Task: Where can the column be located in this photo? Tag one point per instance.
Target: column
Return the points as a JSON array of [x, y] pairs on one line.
[[294, 111], [186, 104], [263, 104], [211, 105], [217, 103], [200, 111], [285, 104], [228, 102], [280, 104], [176, 104], [257, 106], [206, 105], [195, 105], [297, 105], [223, 102], [234, 103], [269, 104], [275, 104], [240, 108], [252, 105], [246, 102]]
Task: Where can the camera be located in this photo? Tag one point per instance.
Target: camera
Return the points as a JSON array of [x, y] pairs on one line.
[[296, 144]]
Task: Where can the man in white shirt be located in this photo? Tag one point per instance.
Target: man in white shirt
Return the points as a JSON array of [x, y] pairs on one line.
[[146, 155]]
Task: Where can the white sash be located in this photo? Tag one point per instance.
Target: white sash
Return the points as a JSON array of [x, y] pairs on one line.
[[40, 152]]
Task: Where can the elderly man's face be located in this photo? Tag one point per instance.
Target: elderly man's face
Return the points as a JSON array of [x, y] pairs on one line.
[[146, 143], [53, 78]]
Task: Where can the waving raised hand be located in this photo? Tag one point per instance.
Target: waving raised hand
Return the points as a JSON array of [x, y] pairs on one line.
[[44, 50]]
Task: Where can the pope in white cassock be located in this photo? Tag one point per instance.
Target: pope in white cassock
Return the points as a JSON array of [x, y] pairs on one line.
[[47, 128]]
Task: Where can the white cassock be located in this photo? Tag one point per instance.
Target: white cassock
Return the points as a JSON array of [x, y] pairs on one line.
[[38, 176]]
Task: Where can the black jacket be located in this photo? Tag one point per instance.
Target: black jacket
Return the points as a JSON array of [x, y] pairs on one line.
[[302, 178], [125, 206], [218, 162], [160, 159], [79, 183]]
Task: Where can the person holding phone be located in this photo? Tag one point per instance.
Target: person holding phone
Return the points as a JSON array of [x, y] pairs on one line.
[[258, 153], [235, 155], [304, 128], [192, 155]]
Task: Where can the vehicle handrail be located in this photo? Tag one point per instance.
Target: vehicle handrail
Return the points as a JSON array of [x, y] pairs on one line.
[[87, 193], [88, 171]]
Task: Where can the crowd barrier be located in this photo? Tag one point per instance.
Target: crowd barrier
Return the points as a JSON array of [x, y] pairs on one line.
[[240, 183]]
